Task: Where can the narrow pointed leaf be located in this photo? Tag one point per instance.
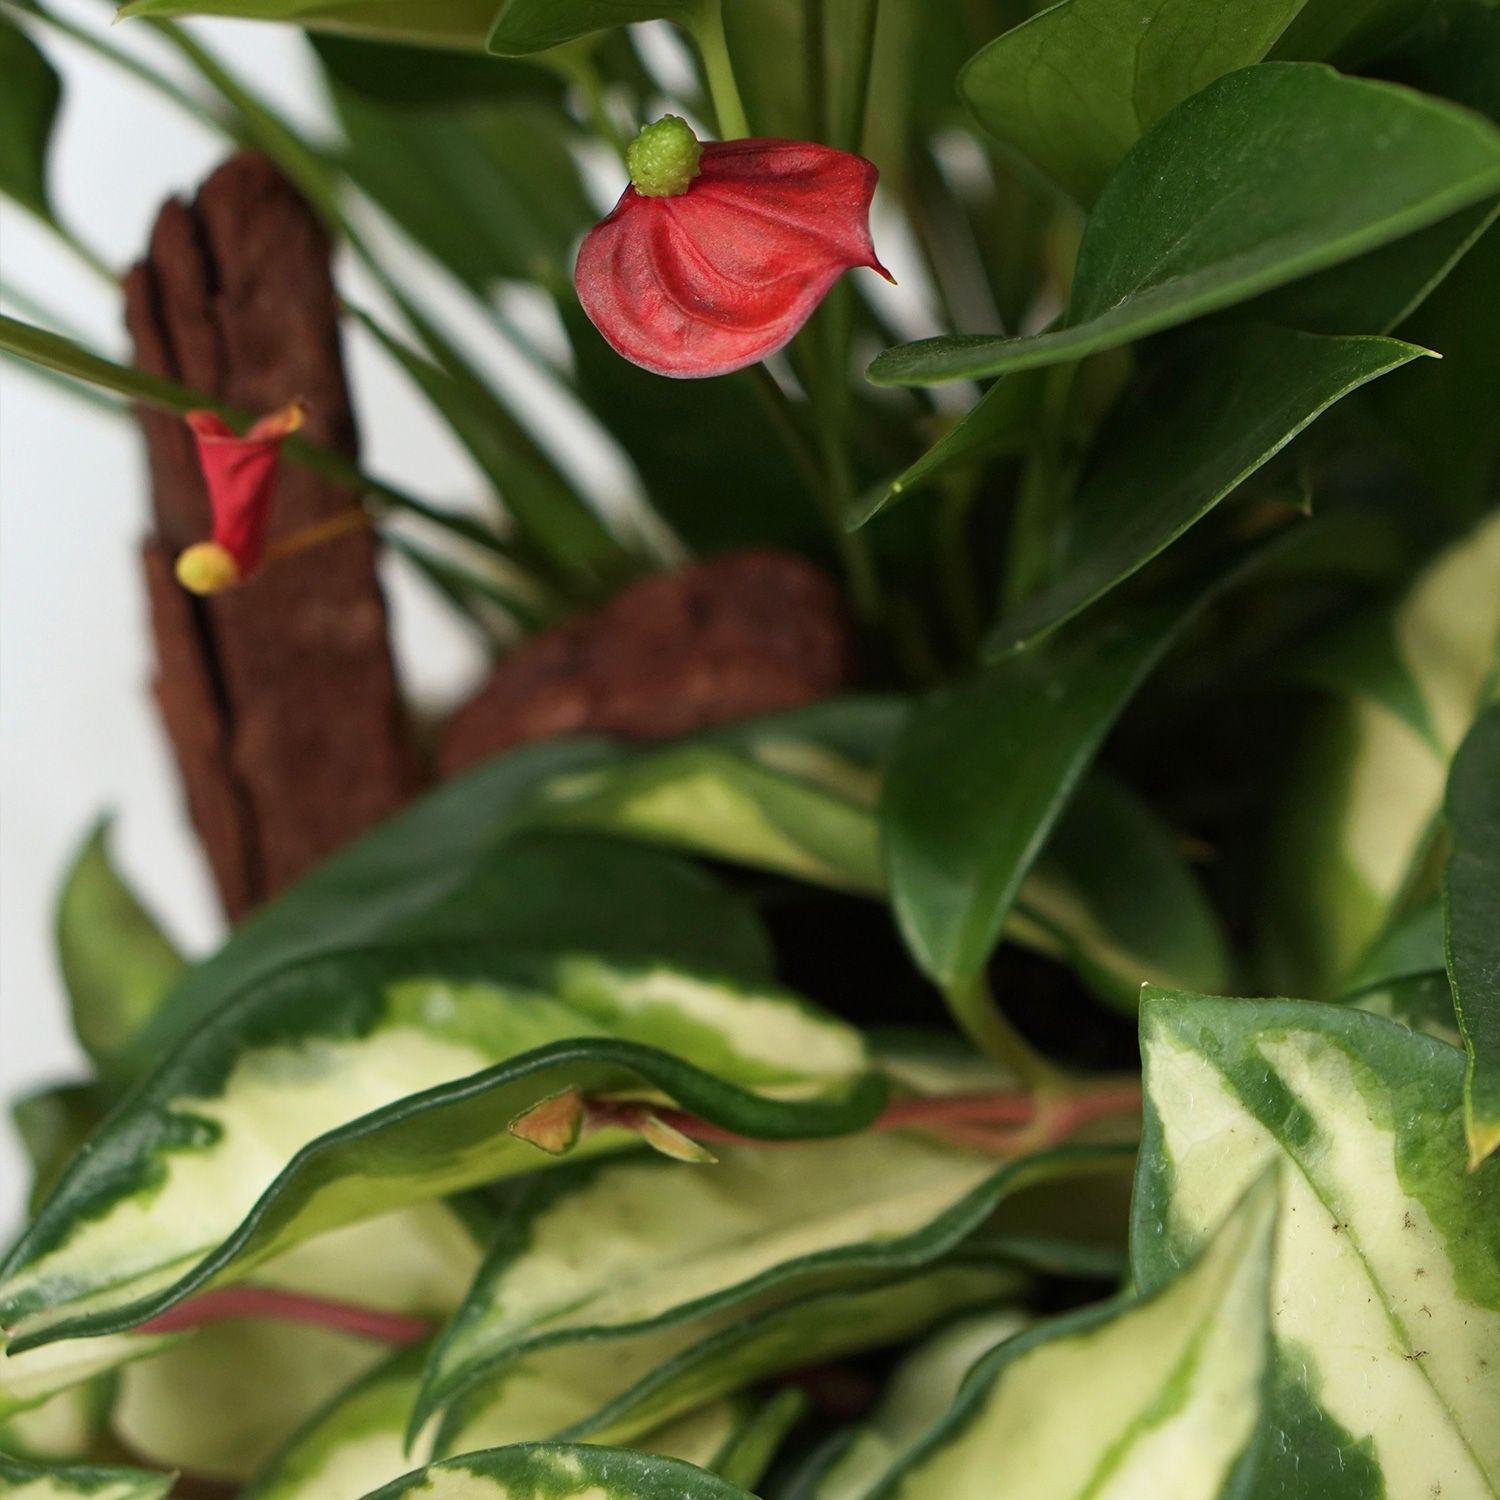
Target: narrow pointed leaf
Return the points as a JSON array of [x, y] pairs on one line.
[[760, 1228], [1266, 175], [524, 26], [559, 1472], [1173, 1385], [116, 962], [22, 1481], [431, 23], [1196, 426], [1471, 901], [983, 772], [1386, 1296], [355, 1086], [28, 110]]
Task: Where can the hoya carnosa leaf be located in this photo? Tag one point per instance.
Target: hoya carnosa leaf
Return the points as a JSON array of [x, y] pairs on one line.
[[1386, 1296], [24, 1481], [723, 271], [554, 1471], [668, 1245], [1173, 1386], [355, 1086]]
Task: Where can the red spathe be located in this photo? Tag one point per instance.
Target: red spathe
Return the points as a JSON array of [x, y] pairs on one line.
[[717, 277]]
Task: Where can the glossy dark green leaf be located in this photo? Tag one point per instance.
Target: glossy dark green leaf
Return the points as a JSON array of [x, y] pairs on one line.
[[984, 770], [421, 78], [437, 871], [1386, 1285], [116, 962], [1074, 88], [1266, 175], [524, 26], [28, 109], [427, 23], [1471, 898], [1348, 32], [1190, 430]]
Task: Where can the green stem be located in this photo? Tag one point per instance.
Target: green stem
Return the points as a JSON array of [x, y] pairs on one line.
[[718, 72], [955, 559], [779, 408], [578, 67], [974, 1008], [863, 21]]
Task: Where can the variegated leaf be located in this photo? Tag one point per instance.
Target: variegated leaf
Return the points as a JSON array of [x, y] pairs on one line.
[[615, 1392], [349, 1088], [625, 1247], [1368, 792], [1160, 1396], [549, 1471], [22, 1481], [62, 1429], [919, 1393], [1386, 1302]]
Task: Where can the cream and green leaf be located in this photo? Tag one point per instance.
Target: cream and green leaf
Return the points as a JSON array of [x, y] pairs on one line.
[[348, 1088], [1471, 905], [1354, 840], [617, 1249], [1173, 1383], [562, 1472], [1386, 1297], [23, 1481], [617, 1391]]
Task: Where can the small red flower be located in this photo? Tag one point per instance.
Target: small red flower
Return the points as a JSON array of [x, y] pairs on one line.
[[717, 254], [240, 473]]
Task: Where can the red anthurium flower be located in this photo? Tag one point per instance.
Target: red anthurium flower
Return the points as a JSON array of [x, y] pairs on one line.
[[716, 254], [240, 473]]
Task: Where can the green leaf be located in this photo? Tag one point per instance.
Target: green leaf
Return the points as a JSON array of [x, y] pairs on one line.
[[1264, 176], [919, 1392], [614, 1395], [23, 1481], [1113, 896], [1185, 435], [1348, 32], [1075, 87], [64, 1429], [351, 1086], [446, 867], [669, 1244], [1386, 1294], [116, 961], [524, 26], [28, 111], [431, 23], [550, 1471], [1471, 908], [29, 1380], [1173, 1384], [959, 839], [1410, 948], [53, 1124], [1345, 850]]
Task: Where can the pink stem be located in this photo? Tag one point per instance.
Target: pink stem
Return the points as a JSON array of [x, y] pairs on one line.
[[229, 1303]]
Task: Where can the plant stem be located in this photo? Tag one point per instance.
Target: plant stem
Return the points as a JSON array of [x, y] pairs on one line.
[[856, 93], [718, 71], [229, 1304], [815, 66], [974, 1008], [578, 67]]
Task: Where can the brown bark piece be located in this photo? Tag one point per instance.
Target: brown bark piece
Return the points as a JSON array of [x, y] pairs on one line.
[[740, 635], [280, 697]]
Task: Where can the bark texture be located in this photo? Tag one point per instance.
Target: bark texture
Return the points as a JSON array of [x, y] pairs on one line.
[[280, 697], [744, 634]]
